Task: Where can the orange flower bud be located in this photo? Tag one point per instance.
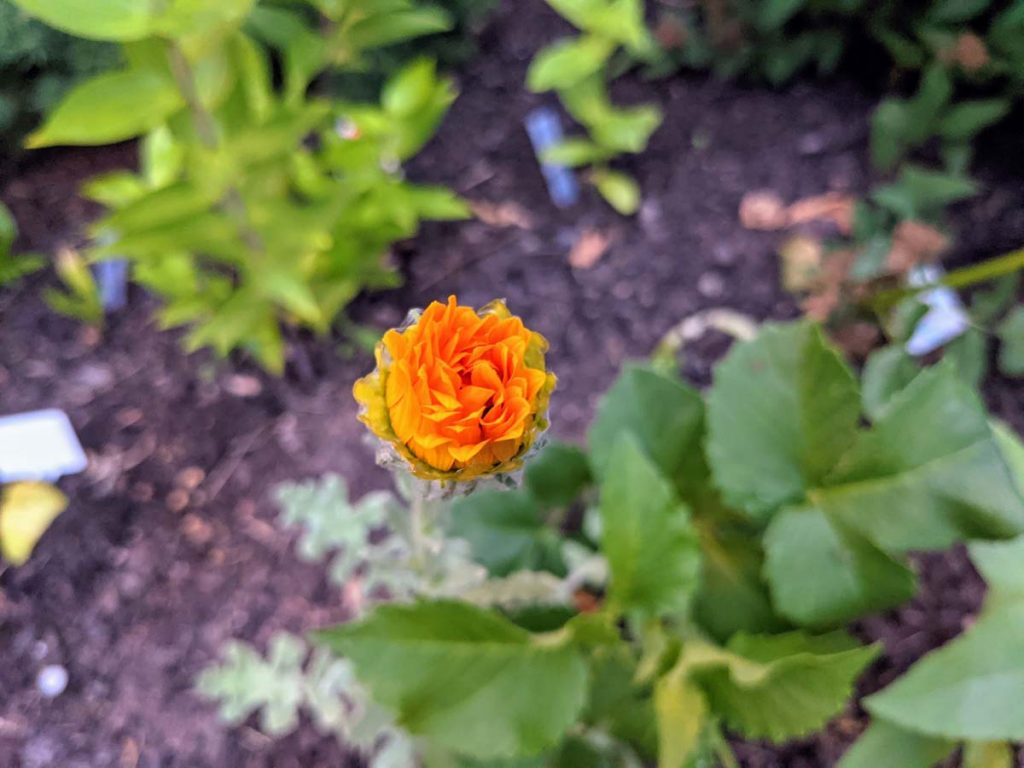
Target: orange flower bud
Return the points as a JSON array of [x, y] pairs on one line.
[[458, 393]]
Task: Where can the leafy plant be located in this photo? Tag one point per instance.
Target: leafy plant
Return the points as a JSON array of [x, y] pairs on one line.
[[256, 203], [37, 67], [577, 69], [81, 298], [738, 535], [922, 715], [13, 269]]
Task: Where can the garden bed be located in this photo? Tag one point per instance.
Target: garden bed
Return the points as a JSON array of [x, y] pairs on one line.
[[168, 549]]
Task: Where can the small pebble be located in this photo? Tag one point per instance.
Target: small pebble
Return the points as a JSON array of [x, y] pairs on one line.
[[52, 681], [710, 285]]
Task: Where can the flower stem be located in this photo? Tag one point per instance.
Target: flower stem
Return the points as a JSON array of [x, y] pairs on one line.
[[417, 525]]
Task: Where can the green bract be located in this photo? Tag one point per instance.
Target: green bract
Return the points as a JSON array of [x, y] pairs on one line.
[[722, 550], [256, 204]]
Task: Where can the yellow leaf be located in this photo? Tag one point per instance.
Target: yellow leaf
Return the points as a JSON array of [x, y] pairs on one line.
[[26, 511]]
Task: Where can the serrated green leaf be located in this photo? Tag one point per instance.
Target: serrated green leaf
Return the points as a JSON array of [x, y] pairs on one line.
[[1011, 339], [110, 107], [568, 61], [777, 686], [557, 475], [466, 678], [783, 409], [652, 551], [885, 744], [932, 456], [244, 682], [506, 532], [670, 435]]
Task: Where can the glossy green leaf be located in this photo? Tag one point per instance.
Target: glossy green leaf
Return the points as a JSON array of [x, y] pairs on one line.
[[118, 20], [506, 532], [628, 129], [390, 27], [619, 189], [110, 107], [652, 550], [573, 153], [670, 435], [565, 63], [783, 409], [443, 665]]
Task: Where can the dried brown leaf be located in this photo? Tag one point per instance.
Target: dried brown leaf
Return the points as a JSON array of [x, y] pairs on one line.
[[832, 206], [589, 248], [969, 52], [857, 339], [828, 292], [763, 210], [502, 215], [801, 262], [914, 243]]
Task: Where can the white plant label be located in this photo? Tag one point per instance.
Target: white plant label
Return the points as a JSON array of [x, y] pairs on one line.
[[39, 445]]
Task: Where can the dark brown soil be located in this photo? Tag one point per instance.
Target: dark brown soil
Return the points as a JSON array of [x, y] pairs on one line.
[[141, 581]]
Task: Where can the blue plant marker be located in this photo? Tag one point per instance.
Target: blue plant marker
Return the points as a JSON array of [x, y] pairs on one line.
[[112, 280], [545, 130]]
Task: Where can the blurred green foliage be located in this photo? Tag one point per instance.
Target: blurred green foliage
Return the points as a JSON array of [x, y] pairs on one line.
[[37, 66], [258, 201], [613, 37], [13, 269]]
